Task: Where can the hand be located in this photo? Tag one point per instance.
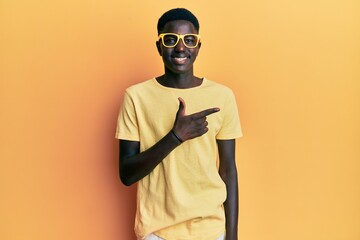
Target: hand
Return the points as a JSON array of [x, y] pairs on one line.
[[191, 126]]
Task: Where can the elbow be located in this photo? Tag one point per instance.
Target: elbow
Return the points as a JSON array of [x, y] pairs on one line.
[[126, 183], [228, 174], [126, 180]]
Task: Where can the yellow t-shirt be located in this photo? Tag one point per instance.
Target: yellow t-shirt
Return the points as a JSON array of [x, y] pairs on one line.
[[182, 198]]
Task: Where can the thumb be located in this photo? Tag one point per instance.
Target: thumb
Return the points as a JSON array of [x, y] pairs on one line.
[[182, 107]]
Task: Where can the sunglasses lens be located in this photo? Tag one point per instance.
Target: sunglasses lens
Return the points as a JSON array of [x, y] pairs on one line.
[[191, 40], [170, 40]]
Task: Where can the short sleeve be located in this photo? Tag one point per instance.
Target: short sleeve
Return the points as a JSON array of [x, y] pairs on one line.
[[127, 124], [230, 128]]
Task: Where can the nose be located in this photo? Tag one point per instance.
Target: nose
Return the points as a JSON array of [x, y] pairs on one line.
[[180, 46]]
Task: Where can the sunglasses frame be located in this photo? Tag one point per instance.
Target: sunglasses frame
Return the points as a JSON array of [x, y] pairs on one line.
[[179, 36]]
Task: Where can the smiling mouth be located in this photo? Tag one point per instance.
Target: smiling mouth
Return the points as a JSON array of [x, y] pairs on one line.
[[180, 60]]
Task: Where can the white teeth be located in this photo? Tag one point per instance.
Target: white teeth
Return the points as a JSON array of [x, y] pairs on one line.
[[180, 60]]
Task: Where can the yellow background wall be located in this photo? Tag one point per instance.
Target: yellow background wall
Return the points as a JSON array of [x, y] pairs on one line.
[[293, 65]]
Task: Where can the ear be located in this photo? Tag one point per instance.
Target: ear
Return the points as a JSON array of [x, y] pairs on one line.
[[158, 46], [199, 45]]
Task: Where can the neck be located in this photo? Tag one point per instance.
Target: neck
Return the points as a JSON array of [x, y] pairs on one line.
[[181, 81]]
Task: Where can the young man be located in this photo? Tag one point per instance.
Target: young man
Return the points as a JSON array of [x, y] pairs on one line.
[[177, 140]]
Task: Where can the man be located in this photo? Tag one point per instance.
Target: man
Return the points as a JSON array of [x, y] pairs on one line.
[[177, 140]]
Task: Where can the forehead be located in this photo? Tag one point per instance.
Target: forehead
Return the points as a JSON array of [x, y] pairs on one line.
[[179, 27]]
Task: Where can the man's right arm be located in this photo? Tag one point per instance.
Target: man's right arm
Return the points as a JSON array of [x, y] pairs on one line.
[[134, 165]]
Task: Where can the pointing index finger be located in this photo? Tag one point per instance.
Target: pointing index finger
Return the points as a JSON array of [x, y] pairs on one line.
[[205, 113]]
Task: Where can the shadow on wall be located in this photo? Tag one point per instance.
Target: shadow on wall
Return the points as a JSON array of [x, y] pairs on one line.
[[133, 71], [127, 211], [126, 198]]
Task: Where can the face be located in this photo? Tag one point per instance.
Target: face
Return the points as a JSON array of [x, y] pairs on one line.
[[178, 59]]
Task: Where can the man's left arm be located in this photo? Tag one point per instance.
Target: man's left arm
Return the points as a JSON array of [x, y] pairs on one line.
[[228, 173]]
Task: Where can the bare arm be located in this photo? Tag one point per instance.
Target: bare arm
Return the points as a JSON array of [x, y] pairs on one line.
[[228, 173], [134, 165]]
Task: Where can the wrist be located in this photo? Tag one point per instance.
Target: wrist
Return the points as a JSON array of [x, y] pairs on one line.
[[176, 136]]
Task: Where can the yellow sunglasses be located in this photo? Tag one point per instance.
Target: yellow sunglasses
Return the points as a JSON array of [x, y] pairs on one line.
[[170, 40]]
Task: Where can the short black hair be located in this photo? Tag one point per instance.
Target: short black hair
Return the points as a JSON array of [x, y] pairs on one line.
[[177, 14]]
